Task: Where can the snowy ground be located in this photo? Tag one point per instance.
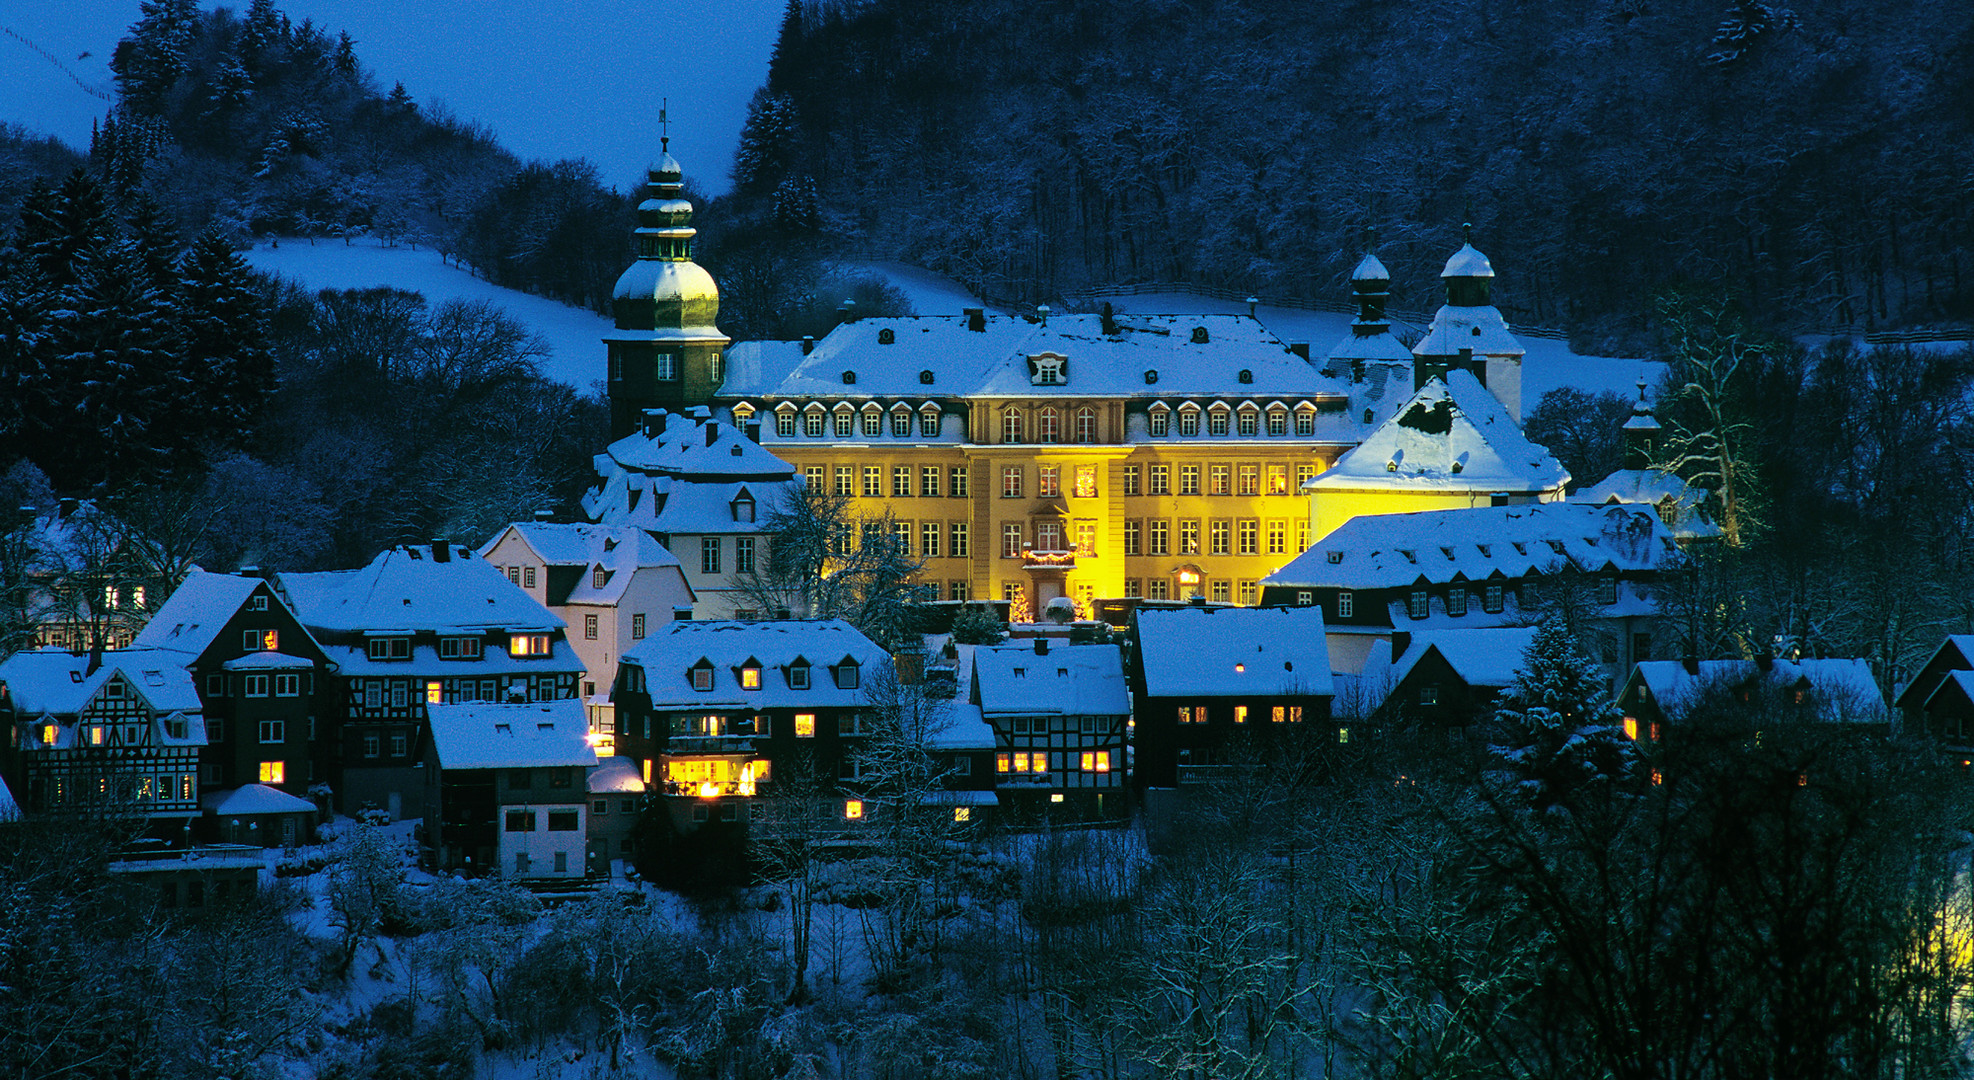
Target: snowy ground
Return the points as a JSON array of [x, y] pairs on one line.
[[574, 336]]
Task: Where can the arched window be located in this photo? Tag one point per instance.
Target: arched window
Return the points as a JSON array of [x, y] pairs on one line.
[[1189, 421], [1086, 425], [1050, 426], [1011, 425], [901, 424], [928, 423]]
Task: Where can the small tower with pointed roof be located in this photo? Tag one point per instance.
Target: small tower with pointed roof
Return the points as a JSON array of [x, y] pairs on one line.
[[1641, 432], [1369, 356], [666, 350], [1468, 332]]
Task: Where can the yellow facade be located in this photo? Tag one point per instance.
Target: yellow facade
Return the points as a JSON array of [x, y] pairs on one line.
[[1332, 508]]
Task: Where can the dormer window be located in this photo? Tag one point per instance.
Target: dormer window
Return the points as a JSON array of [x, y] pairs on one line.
[[701, 674], [785, 424], [743, 506], [845, 420], [901, 423], [520, 645], [848, 674], [812, 424], [750, 674], [1216, 421], [873, 423], [798, 675], [459, 648], [928, 422], [1249, 421], [1278, 422], [390, 648], [597, 577], [1189, 419], [1048, 369], [1159, 421]]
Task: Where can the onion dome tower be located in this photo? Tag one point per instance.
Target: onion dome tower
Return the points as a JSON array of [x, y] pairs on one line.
[[1641, 432], [1369, 356], [666, 350], [1468, 332]]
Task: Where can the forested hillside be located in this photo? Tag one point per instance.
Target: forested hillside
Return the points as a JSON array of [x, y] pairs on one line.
[[1818, 161]]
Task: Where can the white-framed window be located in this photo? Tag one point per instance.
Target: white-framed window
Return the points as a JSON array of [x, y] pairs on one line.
[[1159, 423], [709, 555], [1494, 598], [667, 366], [958, 533], [957, 488], [928, 481], [1049, 427], [1418, 604], [254, 685], [702, 677], [1010, 481], [929, 540], [1346, 603], [798, 676], [743, 554], [845, 420], [1305, 423], [848, 675], [637, 626], [901, 424], [1278, 422], [873, 481], [1011, 540], [372, 745], [257, 603], [459, 648], [785, 425], [1249, 422], [812, 424], [1086, 425], [1456, 600], [873, 424], [1189, 422], [261, 640], [273, 731], [288, 684], [590, 627], [519, 645], [928, 424], [1011, 425]]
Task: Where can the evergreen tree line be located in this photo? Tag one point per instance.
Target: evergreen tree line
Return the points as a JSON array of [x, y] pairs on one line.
[[258, 125], [1813, 159]]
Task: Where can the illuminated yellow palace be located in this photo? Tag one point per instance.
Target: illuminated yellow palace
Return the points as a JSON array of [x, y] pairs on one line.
[[1088, 456]]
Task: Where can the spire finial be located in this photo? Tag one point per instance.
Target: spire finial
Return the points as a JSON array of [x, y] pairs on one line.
[[1467, 232], [664, 126], [1370, 238], [1641, 386]]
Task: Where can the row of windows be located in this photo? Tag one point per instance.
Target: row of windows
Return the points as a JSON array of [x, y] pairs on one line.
[[1247, 421], [1218, 590], [1043, 725], [665, 365], [279, 684], [165, 787], [846, 674], [1221, 478], [845, 423], [397, 693], [931, 481], [558, 820], [457, 648], [591, 624], [713, 548], [373, 745], [1248, 536], [1023, 761], [1280, 714]]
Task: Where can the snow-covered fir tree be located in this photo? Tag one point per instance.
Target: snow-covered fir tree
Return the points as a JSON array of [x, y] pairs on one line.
[[1559, 730]]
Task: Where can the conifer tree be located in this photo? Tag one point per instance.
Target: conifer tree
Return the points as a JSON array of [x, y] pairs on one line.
[[114, 369], [1558, 732], [226, 339], [58, 227]]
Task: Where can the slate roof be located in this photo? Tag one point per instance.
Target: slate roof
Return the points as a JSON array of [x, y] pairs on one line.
[[1070, 680], [487, 735], [1451, 436], [1233, 652], [1381, 551], [668, 656], [405, 589]]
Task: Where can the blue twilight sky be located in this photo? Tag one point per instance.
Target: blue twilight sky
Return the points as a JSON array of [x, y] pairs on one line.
[[552, 78]]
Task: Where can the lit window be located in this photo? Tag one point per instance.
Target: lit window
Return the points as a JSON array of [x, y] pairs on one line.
[[1343, 734], [435, 692], [260, 640], [1631, 728], [527, 645], [1000, 763], [805, 723], [1240, 711], [962, 814], [273, 772], [853, 809], [750, 678]]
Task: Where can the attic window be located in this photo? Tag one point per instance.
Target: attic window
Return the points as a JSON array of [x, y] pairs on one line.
[[1048, 369], [887, 336], [1335, 557], [798, 675], [750, 674], [925, 377], [1151, 376], [743, 506], [1367, 416], [1200, 337], [702, 675], [597, 577], [1391, 465], [257, 603], [1246, 376], [847, 675], [75, 676], [849, 378]]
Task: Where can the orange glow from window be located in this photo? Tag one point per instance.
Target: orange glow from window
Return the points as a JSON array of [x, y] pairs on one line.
[[273, 772], [962, 814], [1000, 762], [709, 790], [435, 692], [853, 809], [750, 678], [805, 725], [1631, 728]]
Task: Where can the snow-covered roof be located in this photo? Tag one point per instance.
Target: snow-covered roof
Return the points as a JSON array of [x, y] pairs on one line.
[[962, 728], [1371, 342], [57, 683], [696, 448], [407, 589], [1071, 680], [1486, 656], [267, 661], [1961, 645], [994, 361], [1960, 680], [1370, 268], [1456, 329], [1467, 262], [354, 660], [1843, 690], [254, 799], [668, 657], [1652, 487], [1233, 652], [1381, 551], [197, 611], [1451, 436], [616, 776], [619, 550], [9, 808], [486, 735]]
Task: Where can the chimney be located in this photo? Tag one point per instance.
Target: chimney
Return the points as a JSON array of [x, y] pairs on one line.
[[976, 319], [1300, 348], [1401, 640], [1042, 310], [808, 345], [654, 423], [544, 515], [682, 613], [712, 432], [1041, 646], [1109, 315], [752, 429], [441, 550], [1691, 664], [784, 614], [1252, 301]]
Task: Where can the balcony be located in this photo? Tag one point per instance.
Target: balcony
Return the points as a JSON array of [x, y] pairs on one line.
[[1058, 561]]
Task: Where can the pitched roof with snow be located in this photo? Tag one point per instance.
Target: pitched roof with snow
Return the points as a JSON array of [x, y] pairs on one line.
[[1379, 551], [1843, 690], [674, 481], [962, 728], [267, 661], [1955, 645], [619, 550], [1074, 680], [254, 799], [994, 362], [197, 611], [1233, 652], [58, 683], [697, 448], [406, 589], [1458, 328], [1451, 436], [1482, 656], [616, 776], [669, 656], [1653, 487], [486, 735]]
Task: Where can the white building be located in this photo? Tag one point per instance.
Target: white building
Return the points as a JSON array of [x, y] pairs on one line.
[[508, 783]]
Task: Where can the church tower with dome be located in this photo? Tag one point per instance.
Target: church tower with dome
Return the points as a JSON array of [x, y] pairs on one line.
[[666, 351], [1468, 332]]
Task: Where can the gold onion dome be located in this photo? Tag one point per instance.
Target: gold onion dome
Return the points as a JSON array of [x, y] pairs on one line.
[[664, 288]]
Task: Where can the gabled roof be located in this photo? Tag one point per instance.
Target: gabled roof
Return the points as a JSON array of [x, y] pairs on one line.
[[670, 654], [195, 614], [1073, 680], [616, 776], [254, 799], [406, 589], [1456, 328], [1652, 487], [1484, 656], [1845, 690], [486, 735], [54, 682], [1957, 652], [621, 550], [696, 448], [1233, 652], [993, 362], [1451, 436], [1382, 551]]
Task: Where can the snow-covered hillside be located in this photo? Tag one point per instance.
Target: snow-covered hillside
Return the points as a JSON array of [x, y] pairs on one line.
[[574, 336]]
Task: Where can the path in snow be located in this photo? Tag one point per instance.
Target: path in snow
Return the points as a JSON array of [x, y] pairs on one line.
[[574, 336]]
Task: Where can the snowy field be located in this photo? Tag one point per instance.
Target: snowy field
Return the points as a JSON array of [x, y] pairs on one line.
[[574, 336]]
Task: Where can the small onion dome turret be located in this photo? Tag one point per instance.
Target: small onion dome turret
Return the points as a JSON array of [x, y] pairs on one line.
[[1469, 277], [1641, 432], [664, 288], [1370, 284]]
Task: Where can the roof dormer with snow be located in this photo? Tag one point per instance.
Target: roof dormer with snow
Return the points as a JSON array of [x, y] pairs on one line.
[[687, 475]]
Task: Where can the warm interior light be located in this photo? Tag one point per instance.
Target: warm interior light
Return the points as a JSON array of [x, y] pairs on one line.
[[853, 809], [709, 790], [1055, 797]]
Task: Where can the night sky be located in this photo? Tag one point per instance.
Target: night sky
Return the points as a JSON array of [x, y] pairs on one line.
[[553, 78]]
